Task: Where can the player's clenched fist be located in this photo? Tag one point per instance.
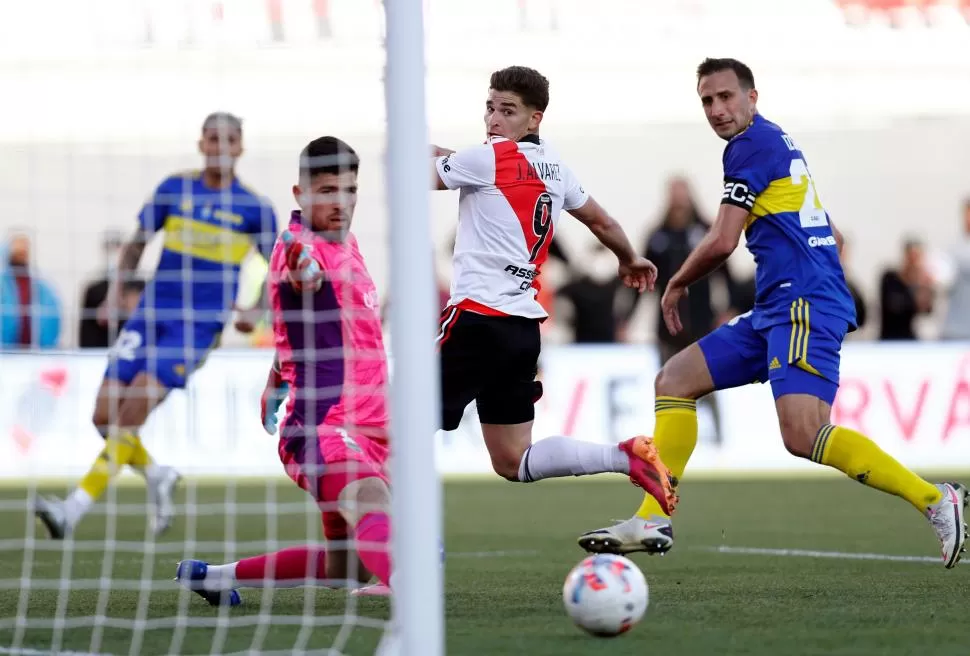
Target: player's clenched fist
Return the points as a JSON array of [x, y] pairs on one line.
[[640, 274], [304, 271], [274, 394]]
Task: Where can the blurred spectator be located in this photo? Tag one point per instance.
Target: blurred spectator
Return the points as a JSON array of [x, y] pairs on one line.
[[592, 294], [904, 294], [274, 8], [91, 333], [957, 322], [321, 11], [30, 314], [549, 8], [680, 231], [861, 313]]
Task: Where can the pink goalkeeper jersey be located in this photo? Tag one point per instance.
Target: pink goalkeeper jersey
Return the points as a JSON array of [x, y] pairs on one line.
[[331, 349]]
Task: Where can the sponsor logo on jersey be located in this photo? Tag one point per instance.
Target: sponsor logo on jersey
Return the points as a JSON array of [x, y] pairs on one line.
[[816, 242], [521, 272]]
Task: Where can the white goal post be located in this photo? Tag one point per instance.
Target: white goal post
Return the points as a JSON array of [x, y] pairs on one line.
[[416, 508]]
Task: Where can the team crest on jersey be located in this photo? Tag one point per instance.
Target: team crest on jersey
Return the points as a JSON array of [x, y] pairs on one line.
[[370, 299]]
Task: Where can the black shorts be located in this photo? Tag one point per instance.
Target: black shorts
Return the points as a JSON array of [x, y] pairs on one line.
[[491, 360]]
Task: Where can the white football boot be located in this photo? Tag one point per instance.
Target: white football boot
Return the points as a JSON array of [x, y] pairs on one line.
[[161, 493], [946, 517], [50, 511], [654, 536]]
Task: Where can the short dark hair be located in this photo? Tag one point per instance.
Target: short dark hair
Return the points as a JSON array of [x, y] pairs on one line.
[[711, 65], [222, 119], [327, 155], [528, 83]]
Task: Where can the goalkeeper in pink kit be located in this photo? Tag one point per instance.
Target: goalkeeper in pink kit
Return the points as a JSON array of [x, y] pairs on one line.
[[331, 367]]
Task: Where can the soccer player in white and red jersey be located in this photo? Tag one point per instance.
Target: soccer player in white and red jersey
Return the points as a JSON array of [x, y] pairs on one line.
[[513, 188], [332, 366]]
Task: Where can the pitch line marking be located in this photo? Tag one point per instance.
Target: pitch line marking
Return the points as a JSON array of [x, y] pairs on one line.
[[27, 651], [808, 553], [493, 554]]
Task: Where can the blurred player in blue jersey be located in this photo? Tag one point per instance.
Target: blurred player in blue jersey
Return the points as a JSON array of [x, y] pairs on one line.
[[210, 222], [792, 337]]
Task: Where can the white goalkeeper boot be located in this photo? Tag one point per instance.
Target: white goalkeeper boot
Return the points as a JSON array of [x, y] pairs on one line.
[[50, 511], [946, 517], [654, 536], [162, 483]]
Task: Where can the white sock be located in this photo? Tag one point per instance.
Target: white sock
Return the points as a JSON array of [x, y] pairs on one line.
[[220, 577], [559, 456], [148, 472], [76, 506]]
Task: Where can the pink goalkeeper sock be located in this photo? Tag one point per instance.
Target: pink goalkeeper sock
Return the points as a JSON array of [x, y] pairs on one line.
[[372, 534], [295, 564]]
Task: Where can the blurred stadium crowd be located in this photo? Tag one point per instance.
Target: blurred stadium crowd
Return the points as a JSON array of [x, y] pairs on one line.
[[920, 295], [921, 289], [188, 22]]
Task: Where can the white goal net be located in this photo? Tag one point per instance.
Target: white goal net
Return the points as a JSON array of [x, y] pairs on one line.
[[107, 140]]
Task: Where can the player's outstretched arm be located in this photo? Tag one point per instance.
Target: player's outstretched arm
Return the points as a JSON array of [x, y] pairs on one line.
[[303, 271], [714, 249], [712, 252], [128, 261], [636, 271], [274, 394]]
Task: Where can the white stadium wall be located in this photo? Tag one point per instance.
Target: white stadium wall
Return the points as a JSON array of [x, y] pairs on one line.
[[913, 400]]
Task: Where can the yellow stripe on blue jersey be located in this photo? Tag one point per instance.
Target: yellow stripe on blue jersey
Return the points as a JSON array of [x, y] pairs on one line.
[[206, 241], [228, 217], [783, 196]]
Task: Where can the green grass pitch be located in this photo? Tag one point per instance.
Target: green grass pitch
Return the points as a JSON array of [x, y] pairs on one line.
[[510, 547]]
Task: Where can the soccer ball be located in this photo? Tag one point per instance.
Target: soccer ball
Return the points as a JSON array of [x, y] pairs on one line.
[[605, 595]]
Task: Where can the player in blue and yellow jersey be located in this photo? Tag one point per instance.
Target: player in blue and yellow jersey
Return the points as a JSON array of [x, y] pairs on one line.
[[792, 337], [209, 222]]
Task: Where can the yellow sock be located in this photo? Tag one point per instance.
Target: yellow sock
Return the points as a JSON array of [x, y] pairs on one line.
[[140, 458], [115, 455], [860, 458], [675, 436]]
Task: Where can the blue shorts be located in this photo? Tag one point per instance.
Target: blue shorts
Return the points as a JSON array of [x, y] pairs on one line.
[[168, 350], [798, 357]]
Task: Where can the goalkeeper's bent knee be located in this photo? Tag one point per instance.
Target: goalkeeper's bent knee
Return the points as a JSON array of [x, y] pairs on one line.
[[361, 497]]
